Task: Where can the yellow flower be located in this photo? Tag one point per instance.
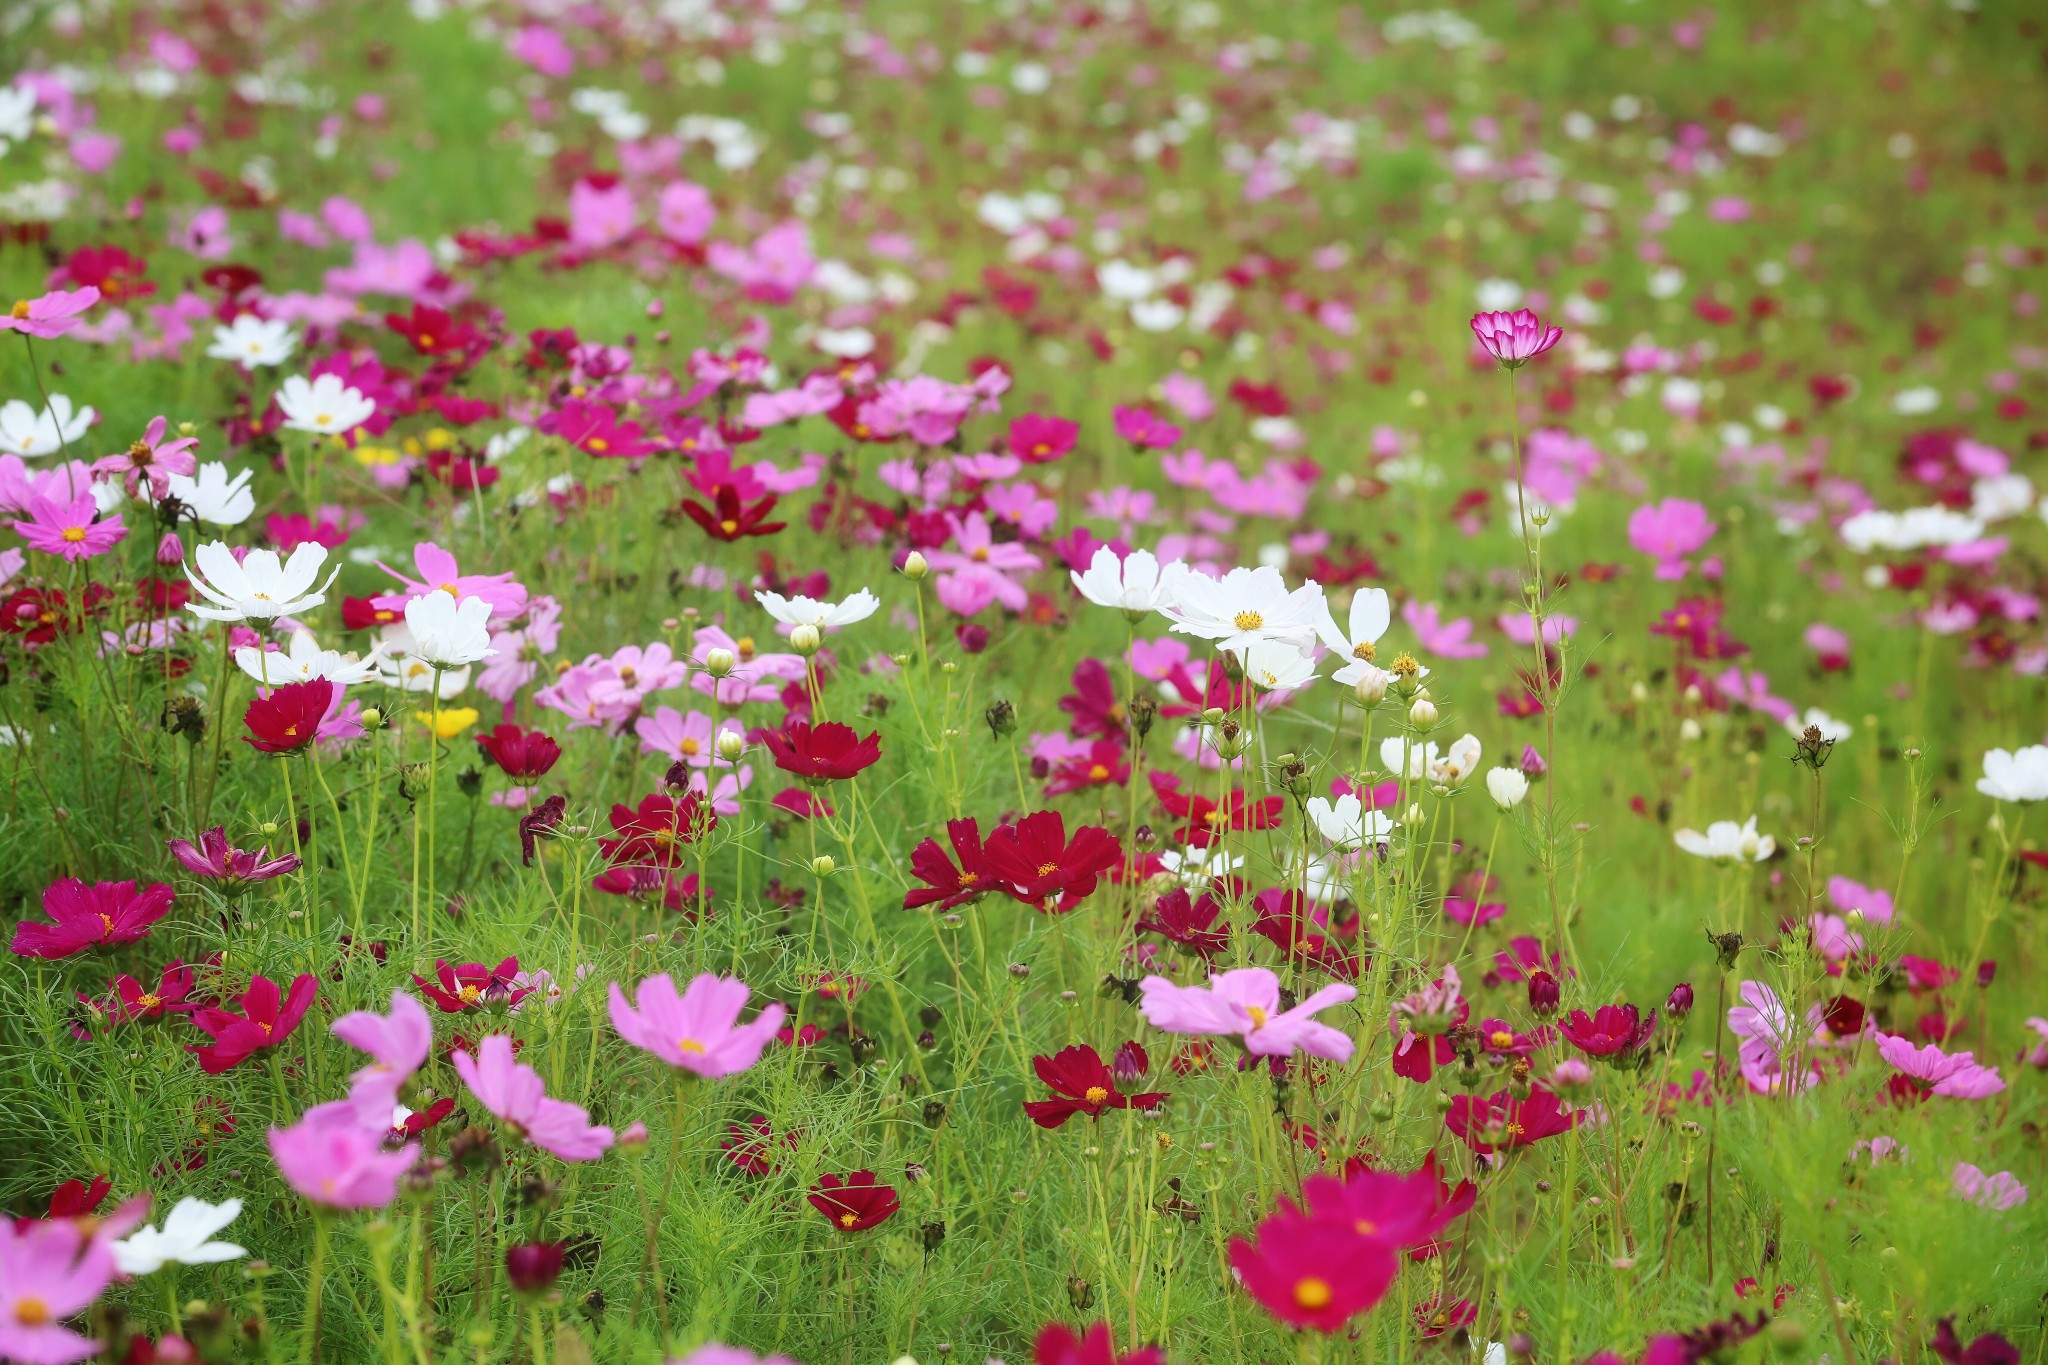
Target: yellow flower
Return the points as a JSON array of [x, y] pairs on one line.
[[375, 455], [449, 721]]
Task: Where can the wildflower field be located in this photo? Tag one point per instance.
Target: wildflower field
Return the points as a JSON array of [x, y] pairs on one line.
[[1098, 682]]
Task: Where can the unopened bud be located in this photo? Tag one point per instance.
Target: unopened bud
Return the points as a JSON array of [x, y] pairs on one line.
[[1371, 686], [370, 718], [170, 551], [805, 639], [823, 865], [915, 567], [720, 663], [1422, 713], [731, 745]]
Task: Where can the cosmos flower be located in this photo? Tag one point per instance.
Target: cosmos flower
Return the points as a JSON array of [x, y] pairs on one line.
[[1727, 842], [235, 869], [186, 1239], [698, 1030], [515, 1093], [854, 1203], [2021, 775], [72, 531], [1514, 339], [257, 586], [333, 1159], [87, 916], [49, 315], [1246, 1003], [267, 1019], [1081, 1083]]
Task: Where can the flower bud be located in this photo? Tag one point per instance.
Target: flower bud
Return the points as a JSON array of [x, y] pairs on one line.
[[915, 567], [1372, 685], [1422, 713], [1507, 786], [805, 639], [1571, 1076], [731, 745], [533, 1267], [720, 663], [1544, 993], [823, 865], [370, 718], [170, 551], [1679, 1003]]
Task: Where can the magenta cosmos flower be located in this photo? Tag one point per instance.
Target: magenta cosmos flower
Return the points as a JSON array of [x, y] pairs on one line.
[[85, 916], [398, 1044], [333, 1159], [49, 1270], [69, 530], [514, 1092], [218, 860], [698, 1030], [52, 315], [1246, 1003], [1514, 339], [1958, 1077]]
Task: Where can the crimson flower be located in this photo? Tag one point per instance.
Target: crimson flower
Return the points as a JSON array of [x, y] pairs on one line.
[[40, 615], [1189, 925], [1313, 1272], [818, 754], [1203, 820], [1082, 1083], [413, 1124], [1104, 765], [947, 885], [77, 1199], [1037, 864], [1988, 1349], [265, 1021], [533, 1267], [218, 860], [433, 332], [654, 833], [1290, 922], [1056, 1345], [538, 822], [1613, 1030], [750, 1145], [128, 999], [651, 884], [731, 519], [855, 1203], [525, 756], [288, 720], [1503, 1121], [472, 985], [83, 916], [1094, 704]]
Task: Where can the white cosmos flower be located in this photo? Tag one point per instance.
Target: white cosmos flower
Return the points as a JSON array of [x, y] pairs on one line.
[[214, 494], [809, 611], [251, 341], [1370, 616], [1277, 666], [1727, 842], [1197, 866], [2001, 497], [1242, 607], [1507, 786], [326, 406], [1913, 529], [186, 1239], [1133, 584], [1346, 823], [1442, 767], [409, 673], [33, 433], [447, 633], [1829, 727], [260, 587], [305, 661], [2020, 776]]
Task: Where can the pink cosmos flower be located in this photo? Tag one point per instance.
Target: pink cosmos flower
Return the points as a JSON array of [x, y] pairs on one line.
[[684, 213], [1514, 339], [334, 1159], [1848, 896], [85, 916], [698, 1030], [600, 215], [1954, 1076], [1144, 430], [50, 1270], [1246, 1003], [52, 315], [439, 572], [545, 50], [683, 737], [398, 1044], [2000, 1192], [1668, 531], [151, 459], [217, 860], [1768, 1039], [1445, 639], [70, 530], [514, 1092]]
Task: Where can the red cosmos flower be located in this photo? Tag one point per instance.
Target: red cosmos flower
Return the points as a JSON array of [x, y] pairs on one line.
[[750, 1145], [412, 1125], [1094, 704], [818, 754], [1313, 1272], [286, 721], [730, 519], [1104, 765], [1435, 1316], [1612, 1031], [655, 833], [1288, 921], [362, 613], [533, 1267], [1988, 1349], [265, 1021], [433, 332], [1036, 863], [77, 1199], [218, 860], [83, 916], [472, 985], [525, 756], [1204, 820], [40, 615], [127, 1000], [1041, 440], [109, 269], [1189, 925], [856, 1203], [1401, 1208], [1503, 1121], [538, 823], [1082, 1083], [1058, 1346], [944, 884], [647, 884]]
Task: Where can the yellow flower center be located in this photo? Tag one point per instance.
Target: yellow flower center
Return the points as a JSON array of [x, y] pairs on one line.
[[979, 555], [469, 995], [1366, 1227], [847, 1220], [690, 1046], [1097, 773], [1047, 869], [599, 444], [1096, 1094], [1363, 650], [20, 311], [691, 747], [1258, 1015], [30, 1311], [1500, 1037], [74, 534], [729, 526], [1250, 620], [1312, 1293], [148, 1002]]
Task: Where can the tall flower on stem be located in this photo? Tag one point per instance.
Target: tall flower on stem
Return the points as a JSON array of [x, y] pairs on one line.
[[697, 1030]]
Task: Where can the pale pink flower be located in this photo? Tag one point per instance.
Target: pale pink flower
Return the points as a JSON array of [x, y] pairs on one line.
[[699, 1029], [331, 1157], [1514, 339], [2000, 1192], [1956, 1076], [1246, 1003], [398, 1044], [515, 1093], [49, 315], [1668, 531]]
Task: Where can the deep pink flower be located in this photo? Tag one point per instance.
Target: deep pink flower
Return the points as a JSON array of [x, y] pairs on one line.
[[1145, 430], [218, 860], [515, 1093], [151, 459], [1057, 1345], [1502, 1121], [71, 531], [1611, 1031], [85, 916], [1953, 1076], [1041, 440], [1313, 1272], [267, 1019], [1668, 531], [473, 985], [51, 315], [1514, 339]]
